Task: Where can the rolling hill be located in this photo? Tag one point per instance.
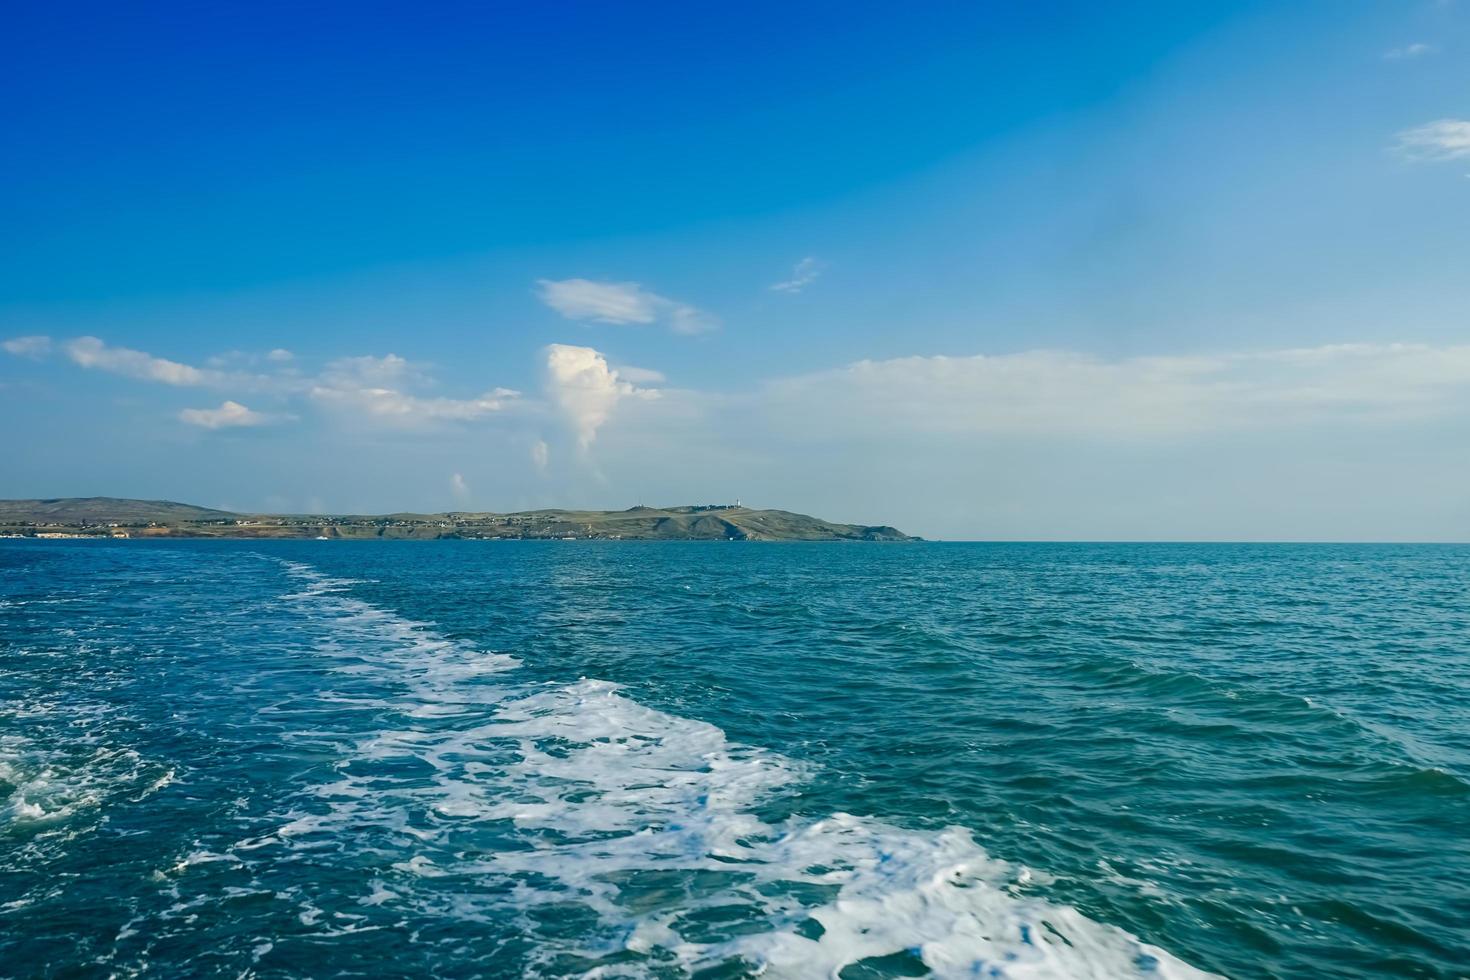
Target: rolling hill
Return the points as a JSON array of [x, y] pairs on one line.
[[118, 517]]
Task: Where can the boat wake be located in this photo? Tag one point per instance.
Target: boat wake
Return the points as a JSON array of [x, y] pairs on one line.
[[625, 841]]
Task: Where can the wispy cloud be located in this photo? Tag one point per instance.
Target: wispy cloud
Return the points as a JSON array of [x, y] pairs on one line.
[[1286, 443], [687, 319], [621, 303], [600, 302], [1408, 51], [91, 352], [377, 388], [33, 347], [390, 369], [585, 389], [1443, 139], [639, 375], [460, 487], [803, 274], [1061, 393], [229, 415], [381, 389]]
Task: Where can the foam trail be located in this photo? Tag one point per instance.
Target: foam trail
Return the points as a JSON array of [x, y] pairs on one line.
[[646, 822], [62, 765]]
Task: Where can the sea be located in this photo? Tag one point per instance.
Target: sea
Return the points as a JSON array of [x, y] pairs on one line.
[[719, 760]]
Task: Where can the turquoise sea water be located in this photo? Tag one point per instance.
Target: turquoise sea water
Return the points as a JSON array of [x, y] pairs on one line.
[[624, 759]]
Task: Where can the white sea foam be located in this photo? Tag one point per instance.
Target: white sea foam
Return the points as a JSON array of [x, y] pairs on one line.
[[43, 785], [648, 821]]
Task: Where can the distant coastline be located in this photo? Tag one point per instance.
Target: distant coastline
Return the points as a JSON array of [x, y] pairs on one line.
[[117, 517]]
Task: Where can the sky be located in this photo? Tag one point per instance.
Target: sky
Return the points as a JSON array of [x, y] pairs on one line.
[[1130, 271]]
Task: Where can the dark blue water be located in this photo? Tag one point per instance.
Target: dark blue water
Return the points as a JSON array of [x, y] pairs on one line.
[[527, 758]]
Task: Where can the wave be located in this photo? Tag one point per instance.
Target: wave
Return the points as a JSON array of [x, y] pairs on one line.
[[1186, 703], [623, 840]]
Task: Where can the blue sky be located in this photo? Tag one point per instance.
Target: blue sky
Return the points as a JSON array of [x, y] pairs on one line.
[[1050, 270]]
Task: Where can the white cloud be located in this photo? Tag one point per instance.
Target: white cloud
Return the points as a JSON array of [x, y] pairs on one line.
[[229, 415], [368, 387], [602, 302], [459, 487], [1339, 441], [639, 375], [90, 352], [1057, 393], [580, 383], [540, 455], [34, 346], [1416, 50], [391, 404], [621, 303], [368, 370], [802, 275], [376, 388], [1443, 139], [238, 359]]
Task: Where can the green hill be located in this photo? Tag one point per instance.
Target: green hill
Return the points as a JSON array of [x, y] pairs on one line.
[[162, 518], [82, 510]]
